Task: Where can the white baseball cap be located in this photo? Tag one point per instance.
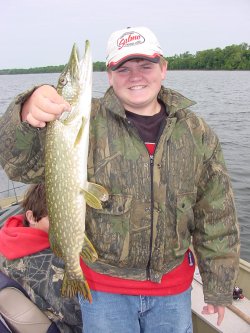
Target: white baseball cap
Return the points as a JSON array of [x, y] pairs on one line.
[[131, 43]]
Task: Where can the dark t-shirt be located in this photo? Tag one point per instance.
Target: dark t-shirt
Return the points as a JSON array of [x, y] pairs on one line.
[[148, 127]]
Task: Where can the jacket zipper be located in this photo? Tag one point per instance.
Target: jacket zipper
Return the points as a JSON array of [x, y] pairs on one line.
[[151, 159], [151, 214]]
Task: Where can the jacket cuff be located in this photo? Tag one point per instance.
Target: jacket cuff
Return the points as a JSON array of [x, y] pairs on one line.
[[218, 299]]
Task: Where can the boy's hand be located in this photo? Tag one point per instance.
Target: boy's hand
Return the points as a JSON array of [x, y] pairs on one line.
[[43, 106]]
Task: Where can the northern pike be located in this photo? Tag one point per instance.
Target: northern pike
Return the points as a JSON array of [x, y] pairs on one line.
[[67, 188]]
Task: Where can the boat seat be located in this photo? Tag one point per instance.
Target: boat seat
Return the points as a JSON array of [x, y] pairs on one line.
[[18, 314]]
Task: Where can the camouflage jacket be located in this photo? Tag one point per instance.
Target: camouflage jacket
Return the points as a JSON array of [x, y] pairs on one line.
[[41, 276], [157, 204]]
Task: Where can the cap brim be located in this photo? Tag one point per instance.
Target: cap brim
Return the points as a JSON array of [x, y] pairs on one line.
[[114, 65]]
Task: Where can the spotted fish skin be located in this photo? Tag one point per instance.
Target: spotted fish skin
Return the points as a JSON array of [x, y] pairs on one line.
[[67, 188]]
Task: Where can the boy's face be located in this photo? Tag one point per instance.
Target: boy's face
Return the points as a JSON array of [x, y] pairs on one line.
[[137, 83], [43, 224]]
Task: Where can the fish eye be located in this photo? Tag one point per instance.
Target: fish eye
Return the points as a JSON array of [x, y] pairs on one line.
[[63, 80]]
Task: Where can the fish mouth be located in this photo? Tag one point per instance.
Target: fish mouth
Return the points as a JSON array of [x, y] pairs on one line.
[[74, 63]]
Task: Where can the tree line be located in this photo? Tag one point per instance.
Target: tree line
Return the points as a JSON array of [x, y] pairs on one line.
[[233, 57]]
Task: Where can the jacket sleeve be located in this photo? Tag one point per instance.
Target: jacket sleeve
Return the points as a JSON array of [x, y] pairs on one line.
[[41, 276], [21, 146], [216, 234]]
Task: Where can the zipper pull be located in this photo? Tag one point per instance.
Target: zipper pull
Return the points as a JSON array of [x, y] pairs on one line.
[[190, 258], [151, 159]]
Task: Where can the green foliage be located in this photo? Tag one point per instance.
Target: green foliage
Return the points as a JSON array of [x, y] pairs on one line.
[[99, 66], [233, 57], [35, 70]]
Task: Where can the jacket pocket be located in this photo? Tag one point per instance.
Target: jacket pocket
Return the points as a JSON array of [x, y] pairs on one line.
[[184, 221], [117, 204], [109, 228]]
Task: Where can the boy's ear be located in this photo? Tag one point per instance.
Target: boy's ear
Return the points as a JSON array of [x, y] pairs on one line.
[[30, 217]]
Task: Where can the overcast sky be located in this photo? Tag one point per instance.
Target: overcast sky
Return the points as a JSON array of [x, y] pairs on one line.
[[41, 33]]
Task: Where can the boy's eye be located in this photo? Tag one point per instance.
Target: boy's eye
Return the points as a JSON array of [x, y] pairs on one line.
[[141, 68], [122, 70], [146, 67]]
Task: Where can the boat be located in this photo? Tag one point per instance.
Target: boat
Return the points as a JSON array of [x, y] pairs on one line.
[[237, 315], [11, 196]]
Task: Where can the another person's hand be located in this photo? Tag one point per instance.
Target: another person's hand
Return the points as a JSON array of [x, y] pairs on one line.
[[211, 309], [43, 106]]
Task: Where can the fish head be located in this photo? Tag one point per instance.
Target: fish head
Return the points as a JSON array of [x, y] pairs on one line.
[[69, 80]]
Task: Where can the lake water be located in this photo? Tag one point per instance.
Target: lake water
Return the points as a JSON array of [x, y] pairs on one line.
[[223, 100]]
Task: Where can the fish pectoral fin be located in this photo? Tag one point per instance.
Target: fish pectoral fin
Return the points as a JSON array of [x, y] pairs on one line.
[[95, 194], [88, 251], [80, 132]]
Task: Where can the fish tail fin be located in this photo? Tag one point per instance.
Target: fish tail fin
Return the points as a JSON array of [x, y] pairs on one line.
[[71, 287], [95, 194], [88, 251]]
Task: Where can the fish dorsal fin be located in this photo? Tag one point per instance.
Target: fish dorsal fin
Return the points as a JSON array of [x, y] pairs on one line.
[[95, 194]]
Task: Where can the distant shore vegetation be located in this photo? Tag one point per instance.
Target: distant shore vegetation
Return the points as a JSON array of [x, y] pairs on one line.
[[233, 57]]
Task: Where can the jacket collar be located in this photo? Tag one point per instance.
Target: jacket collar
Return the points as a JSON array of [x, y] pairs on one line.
[[173, 101]]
